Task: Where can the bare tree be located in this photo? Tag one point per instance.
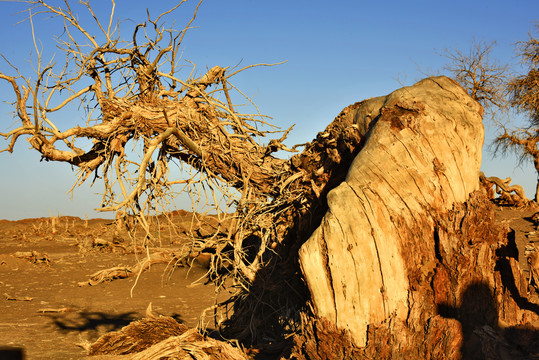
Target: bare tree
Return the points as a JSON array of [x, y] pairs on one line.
[[522, 142], [524, 89], [133, 88], [492, 85], [524, 97], [483, 78], [143, 118]]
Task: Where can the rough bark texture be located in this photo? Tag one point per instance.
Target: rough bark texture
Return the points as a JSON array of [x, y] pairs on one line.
[[408, 258]]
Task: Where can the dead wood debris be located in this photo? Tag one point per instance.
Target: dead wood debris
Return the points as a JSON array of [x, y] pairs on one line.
[[14, 298], [108, 246], [122, 272], [512, 195], [33, 256], [158, 337], [191, 346], [58, 310], [137, 336], [118, 272]]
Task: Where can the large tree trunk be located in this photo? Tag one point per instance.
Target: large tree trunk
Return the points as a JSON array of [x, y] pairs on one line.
[[408, 259]]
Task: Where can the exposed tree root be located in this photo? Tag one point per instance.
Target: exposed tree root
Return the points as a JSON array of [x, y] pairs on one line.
[[512, 195]]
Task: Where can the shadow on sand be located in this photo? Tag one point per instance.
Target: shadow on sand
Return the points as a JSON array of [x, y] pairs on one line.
[[11, 353], [84, 321]]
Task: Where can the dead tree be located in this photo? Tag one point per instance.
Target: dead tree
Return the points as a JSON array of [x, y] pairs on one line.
[[524, 97], [523, 89], [377, 229], [494, 185], [137, 101], [482, 77], [524, 143]]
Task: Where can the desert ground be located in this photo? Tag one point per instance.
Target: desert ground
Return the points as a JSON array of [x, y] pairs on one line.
[[50, 310]]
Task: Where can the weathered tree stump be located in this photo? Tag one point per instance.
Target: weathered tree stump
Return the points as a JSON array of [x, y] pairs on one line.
[[408, 258]]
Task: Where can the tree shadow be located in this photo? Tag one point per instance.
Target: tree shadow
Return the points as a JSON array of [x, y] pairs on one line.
[[508, 281], [515, 287], [509, 250], [11, 353], [85, 321], [178, 318], [482, 336], [530, 219]]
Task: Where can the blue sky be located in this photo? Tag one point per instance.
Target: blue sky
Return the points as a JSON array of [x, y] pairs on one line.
[[337, 53]]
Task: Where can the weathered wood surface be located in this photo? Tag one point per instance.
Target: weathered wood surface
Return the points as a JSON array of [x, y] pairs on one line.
[[408, 258], [422, 154]]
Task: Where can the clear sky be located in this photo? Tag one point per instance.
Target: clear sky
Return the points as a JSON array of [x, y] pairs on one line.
[[337, 52]]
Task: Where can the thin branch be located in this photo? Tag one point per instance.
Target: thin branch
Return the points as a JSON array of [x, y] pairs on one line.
[[254, 65]]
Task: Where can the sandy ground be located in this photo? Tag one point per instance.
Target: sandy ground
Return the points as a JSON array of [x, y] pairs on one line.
[[47, 314]]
